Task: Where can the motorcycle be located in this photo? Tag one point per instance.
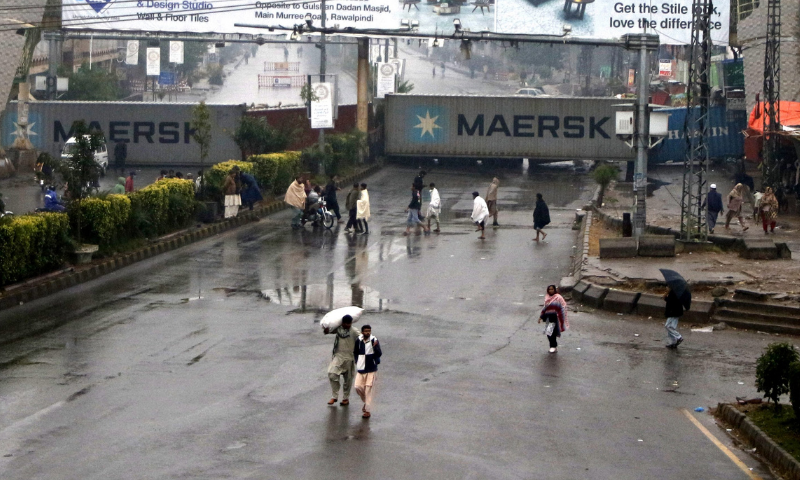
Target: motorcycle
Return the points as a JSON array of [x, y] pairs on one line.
[[6, 214], [319, 215]]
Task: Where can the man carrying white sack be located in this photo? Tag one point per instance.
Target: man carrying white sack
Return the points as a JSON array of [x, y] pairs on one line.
[[342, 364]]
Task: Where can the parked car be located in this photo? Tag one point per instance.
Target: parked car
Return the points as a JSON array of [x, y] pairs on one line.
[[100, 155], [532, 92]]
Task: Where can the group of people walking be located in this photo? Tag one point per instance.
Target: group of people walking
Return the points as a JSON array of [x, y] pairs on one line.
[[765, 207]]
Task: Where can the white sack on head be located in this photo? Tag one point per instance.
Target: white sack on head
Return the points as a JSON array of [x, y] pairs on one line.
[[333, 319]]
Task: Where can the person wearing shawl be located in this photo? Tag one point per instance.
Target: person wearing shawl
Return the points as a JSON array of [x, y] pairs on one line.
[[296, 198], [491, 200], [769, 210], [735, 201], [479, 213], [119, 188], [554, 314], [362, 210], [251, 194], [231, 190], [434, 207], [541, 217]]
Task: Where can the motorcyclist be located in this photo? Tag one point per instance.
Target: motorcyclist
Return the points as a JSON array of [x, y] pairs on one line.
[[51, 201], [313, 200]]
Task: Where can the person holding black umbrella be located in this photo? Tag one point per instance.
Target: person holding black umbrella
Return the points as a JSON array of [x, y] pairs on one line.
[[679, 299]]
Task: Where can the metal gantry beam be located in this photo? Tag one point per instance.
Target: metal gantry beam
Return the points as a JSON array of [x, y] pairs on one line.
[[770, 163], [696, 126]]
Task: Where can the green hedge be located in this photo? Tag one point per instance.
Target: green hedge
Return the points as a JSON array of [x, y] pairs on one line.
[[162, 207], [104, 221], [32, 244], [276, 171]]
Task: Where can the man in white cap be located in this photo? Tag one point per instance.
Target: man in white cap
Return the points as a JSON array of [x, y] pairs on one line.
[[714, 207]]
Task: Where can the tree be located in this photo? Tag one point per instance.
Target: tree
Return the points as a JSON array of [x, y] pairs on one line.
[[80, 170], [201, 124], [405, 87], [773, 370], [603, 175], [96, 84], [255, 136]]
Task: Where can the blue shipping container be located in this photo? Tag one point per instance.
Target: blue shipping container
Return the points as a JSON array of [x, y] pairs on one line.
[[726, 138]]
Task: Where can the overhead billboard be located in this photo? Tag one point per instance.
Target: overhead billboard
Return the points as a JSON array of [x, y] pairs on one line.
[[602, 19]]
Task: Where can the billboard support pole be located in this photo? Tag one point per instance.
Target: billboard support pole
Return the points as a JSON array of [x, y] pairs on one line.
[[55, 40], [362, 115], [323, 60], [643, 43]]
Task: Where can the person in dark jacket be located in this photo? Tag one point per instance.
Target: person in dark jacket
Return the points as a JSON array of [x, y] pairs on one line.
[[120, 155], [251, 194], [673, 312], [714, 207], [330, 198], [351, 204], [413, 214], [367, 354], [541, 217]]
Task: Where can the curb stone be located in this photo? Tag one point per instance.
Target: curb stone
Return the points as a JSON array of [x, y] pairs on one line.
[[765, 446], [72, 278]]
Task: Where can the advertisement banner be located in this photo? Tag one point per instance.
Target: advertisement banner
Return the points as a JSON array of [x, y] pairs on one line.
[[586, 18], [132, 57], [175, 52], [322, 107], [387, 72], [154, 61], [665, 68]]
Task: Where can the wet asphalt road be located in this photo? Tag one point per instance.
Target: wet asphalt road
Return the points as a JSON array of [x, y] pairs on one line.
[[208, 362]]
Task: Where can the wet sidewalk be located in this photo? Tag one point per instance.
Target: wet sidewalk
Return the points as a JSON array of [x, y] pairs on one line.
[[706, 269]]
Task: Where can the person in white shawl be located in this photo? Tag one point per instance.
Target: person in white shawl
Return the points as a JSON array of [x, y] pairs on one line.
[[479, 213], [434, 208], [362, 210]]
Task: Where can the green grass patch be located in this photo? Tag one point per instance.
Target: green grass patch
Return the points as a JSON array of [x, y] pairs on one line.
[[783, 428]]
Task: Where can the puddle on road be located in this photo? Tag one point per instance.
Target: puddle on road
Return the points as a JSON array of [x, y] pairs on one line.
[[326, 297]]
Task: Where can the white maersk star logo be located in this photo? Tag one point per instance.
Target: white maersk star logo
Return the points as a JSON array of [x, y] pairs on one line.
[[20, 130], [427, 124]]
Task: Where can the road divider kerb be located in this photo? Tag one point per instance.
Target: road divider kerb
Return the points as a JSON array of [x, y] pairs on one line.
[[72, 278], [779, 458]]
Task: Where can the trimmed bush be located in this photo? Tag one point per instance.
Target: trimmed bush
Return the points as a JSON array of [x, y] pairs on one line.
[[215, 175], [104, 220], [772, 371], [162, 207], [32, 244], [276, 171]]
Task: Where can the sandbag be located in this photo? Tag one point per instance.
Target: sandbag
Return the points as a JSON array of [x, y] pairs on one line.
[[333, 319]]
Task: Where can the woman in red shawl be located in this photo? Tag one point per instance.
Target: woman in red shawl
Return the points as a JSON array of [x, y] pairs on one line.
[[554, 315]]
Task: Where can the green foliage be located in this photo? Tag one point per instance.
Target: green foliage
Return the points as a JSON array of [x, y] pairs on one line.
[[276, 171], [346, 149], [201, 123], [215, 176], [604, 173], [772, 371], [162, 207], [105, 219], [215, 75], [80, 170], [794, 387], [31, 245], [307, 94], [405, 86], [97, 84], [255, 136]]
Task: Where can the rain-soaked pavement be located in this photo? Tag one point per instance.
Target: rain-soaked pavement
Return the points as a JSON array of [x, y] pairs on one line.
[[208, 362]]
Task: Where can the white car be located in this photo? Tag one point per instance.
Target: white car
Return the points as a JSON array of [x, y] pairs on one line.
[[532, 92], [100, 155]]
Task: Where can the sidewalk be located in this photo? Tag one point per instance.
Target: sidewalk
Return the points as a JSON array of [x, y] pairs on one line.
[[703, 269]]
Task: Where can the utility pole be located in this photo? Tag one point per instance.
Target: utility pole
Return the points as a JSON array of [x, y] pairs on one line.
[[323, 60], [770, 166], [694, 226], [644, 43], [362, 113]]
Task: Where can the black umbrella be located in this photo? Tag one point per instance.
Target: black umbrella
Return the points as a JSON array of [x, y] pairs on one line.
[[675, 281], [678, 285]]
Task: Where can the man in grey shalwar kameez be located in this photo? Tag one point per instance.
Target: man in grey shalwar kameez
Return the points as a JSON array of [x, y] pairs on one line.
[[342, 364]]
